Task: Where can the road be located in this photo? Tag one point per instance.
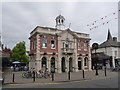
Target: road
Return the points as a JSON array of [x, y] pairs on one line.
[[102, 83]]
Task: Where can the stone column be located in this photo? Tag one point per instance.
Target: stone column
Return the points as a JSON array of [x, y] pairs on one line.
[[59, 65], [49, 65], [67, 64], [37, 65], [89, 64], [75, 56], [113, 61], [89, 58], [75, 64], [38, 61], [56, 63]]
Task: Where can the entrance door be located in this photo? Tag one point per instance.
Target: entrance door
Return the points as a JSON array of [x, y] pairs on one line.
[[79, 65], [71, 65], [63, 64]]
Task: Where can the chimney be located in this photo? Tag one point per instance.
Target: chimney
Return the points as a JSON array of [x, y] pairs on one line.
[[115, 39]]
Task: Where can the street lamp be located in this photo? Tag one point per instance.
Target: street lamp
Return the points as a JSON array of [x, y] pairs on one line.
[[95, 46]]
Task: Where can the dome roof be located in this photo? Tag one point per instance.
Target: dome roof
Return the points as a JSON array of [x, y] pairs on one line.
[[60, 17]]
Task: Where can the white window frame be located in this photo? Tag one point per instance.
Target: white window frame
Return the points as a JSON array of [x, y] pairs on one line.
[[54, 44], [70, 45], [116, 53], [42, 43]]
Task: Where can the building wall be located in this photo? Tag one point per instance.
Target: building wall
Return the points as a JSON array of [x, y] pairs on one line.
[[37, 52], [111, 52]]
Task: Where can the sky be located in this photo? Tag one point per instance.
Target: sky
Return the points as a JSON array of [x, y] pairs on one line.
[[20, 18]]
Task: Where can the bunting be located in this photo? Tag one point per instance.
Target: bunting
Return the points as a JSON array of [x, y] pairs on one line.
[[103, 21]]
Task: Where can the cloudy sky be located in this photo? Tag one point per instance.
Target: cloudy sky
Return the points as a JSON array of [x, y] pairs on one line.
[[20, 18]]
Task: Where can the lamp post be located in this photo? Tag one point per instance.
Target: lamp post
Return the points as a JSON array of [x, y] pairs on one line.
[[95, 47]]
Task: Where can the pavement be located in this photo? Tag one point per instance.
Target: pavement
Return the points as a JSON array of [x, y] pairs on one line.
[[59, 78]]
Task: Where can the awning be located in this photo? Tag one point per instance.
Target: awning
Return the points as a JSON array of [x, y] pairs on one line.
[[16, 62]]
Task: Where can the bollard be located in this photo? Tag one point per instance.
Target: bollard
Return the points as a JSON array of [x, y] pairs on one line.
[[105, 72], [13, 78], [83, 74], [68, 75], [33, 76], [52, 76]]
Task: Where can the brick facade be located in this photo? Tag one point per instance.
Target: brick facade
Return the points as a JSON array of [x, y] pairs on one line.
[[80, 56]]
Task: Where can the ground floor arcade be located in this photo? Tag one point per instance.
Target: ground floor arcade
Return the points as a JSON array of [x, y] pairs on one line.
[[61, 64]]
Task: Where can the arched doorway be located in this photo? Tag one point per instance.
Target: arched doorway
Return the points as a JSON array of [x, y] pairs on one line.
[[85, 61], [44, 62], [63, 64], [53, 62], [79, 63], [70, 64]]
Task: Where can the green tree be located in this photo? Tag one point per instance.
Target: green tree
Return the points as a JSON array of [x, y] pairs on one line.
[[19, 52]]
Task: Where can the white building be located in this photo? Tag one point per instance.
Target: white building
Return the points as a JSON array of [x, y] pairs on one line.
[[111, 47]]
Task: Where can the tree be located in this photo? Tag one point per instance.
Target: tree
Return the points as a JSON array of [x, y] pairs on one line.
[[19, 52]]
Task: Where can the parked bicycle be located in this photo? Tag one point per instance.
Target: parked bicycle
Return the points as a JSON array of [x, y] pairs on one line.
[[41, 74], [38, 74], [27, 74]]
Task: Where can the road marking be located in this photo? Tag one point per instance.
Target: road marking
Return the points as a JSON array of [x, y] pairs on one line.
[[32, 83], [47, 83]]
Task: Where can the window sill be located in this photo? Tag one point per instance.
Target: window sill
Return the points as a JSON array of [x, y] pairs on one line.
[[44, 47], [53, 48]]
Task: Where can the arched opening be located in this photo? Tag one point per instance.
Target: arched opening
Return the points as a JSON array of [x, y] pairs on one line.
[[79, 63], [70, 64], [44, 62], [53, 62], [63, 64], [85, 61]]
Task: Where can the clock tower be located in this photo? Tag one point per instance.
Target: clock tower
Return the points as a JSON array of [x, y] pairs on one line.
[[60, 22]]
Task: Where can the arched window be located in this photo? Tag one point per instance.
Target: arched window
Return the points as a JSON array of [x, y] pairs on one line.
[[53, 44], [44, 61], [44, 43]]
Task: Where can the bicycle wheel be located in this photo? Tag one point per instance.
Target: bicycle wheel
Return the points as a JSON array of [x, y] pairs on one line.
[[24, 75]]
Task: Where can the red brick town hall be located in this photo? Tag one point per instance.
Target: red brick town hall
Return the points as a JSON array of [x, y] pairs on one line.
[[63, 49]]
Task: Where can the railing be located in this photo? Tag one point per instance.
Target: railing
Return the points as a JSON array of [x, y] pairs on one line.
[[67, 50]]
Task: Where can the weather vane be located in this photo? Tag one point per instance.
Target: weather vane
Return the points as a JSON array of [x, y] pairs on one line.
[[60, 12]]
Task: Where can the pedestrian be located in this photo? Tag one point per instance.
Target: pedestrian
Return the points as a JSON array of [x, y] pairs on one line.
[[33, 73], [12, 68]]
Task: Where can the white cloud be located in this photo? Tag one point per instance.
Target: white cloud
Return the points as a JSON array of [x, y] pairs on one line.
[[19, 19]]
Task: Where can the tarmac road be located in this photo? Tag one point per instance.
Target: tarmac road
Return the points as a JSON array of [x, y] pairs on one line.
[[101, 83]]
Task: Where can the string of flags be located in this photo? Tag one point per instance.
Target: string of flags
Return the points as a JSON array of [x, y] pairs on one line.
[[102, 21]]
